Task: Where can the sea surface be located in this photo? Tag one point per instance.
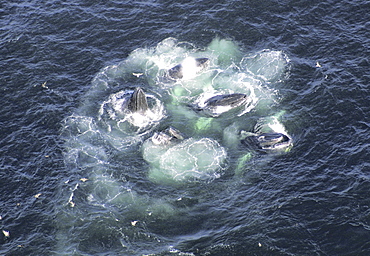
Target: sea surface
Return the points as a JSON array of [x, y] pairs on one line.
[[75, 182]]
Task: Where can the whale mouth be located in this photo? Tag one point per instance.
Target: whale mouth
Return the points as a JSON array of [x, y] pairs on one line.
[[273, 141], [131, 112], [268, 142], [138, 102], [219, 104], [167, 136], [232, 100]]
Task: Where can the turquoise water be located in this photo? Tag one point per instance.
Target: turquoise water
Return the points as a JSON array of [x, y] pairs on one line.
[[75, 181]]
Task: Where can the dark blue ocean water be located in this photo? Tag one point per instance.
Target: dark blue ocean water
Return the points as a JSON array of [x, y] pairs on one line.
[[312, 201]]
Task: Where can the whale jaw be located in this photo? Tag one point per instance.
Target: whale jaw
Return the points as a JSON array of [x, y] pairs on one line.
[[220, 104], [269, 142], [233, 100], [138, 102], [273, 140], [167, 137]]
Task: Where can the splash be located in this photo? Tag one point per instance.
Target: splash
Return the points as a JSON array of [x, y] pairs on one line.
[[113, 116]]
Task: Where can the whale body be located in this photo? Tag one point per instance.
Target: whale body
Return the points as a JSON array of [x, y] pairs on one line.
[[219, 104], [188, 68]]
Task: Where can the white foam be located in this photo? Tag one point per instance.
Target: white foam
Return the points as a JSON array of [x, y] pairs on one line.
[[267, 64], [189, 160]]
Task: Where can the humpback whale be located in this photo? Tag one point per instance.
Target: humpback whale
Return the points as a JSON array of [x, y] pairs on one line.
[[167, 136], [269, 141], [190, 66], [269, 136], [219, 104], [131, 111], [137, 102]]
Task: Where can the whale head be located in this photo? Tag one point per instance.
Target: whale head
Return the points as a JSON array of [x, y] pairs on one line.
[[219, 104], [137, 103], [269, 142], [228, 100], [167, 136], [272, 141]]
